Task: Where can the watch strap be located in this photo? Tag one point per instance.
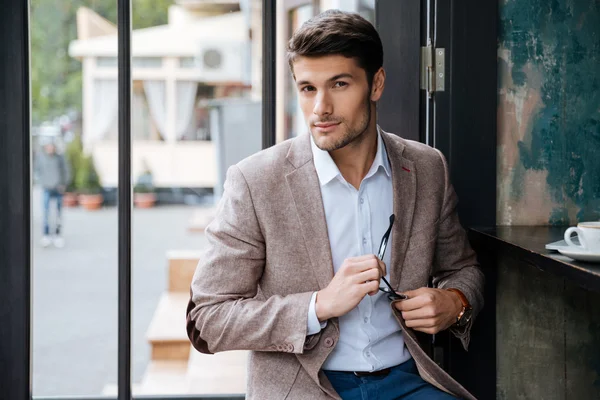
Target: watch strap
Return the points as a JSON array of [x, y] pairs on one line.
[[465, 304]]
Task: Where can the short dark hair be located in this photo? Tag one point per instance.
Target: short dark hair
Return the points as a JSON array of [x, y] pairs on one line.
[[336, 32]]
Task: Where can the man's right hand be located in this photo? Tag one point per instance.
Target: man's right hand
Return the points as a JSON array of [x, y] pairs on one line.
[[357, 277]]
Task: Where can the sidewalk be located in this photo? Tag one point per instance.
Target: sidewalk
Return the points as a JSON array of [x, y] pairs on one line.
[[75, 311]]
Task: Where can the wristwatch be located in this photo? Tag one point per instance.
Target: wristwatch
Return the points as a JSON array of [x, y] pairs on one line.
[[467, 311]]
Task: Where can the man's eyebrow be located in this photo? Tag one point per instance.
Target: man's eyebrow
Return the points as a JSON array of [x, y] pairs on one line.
[[332, 79], [340, 76]]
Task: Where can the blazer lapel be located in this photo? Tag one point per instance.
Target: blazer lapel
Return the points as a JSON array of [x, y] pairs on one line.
[[306, 191], [404, 184]]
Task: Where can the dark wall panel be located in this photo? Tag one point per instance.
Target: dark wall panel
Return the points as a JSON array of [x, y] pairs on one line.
[[399, 25], [15, 218]]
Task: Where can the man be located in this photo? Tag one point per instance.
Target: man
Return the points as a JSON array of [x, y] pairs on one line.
[[290, 271], [54, 175]]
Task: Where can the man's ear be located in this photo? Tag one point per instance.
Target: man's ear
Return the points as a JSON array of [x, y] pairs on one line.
[[378, 85]]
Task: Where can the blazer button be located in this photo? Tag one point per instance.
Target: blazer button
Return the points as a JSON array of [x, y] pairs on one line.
[[328, 342]]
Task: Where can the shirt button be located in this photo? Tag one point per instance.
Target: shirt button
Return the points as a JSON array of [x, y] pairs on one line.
[[364, 240], [362, 200], [366, 320], [368, 354]]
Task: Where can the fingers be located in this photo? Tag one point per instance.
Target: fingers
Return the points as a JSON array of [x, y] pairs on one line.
[[422, 323], [416, 299], [370, 287], [362, 258], [429, 325], [368, 275], [413, 303], [420, 313], [355, 266], [416, 292], [362, 263]]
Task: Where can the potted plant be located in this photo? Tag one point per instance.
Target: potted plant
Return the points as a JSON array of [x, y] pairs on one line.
[[70, 196], [144, 194], [88, 184], [73, 155]]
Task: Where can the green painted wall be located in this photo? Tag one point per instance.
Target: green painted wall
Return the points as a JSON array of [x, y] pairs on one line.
[[548, 112]]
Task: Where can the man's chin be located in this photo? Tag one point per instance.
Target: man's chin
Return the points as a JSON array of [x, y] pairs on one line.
[[325, 142]]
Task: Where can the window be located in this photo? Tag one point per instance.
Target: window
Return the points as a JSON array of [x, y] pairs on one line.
[[147, 62], [187, 62], [106, 62], [191, 116]]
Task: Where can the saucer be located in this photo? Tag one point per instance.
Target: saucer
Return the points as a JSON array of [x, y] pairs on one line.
[[580, 254], [561, 244]]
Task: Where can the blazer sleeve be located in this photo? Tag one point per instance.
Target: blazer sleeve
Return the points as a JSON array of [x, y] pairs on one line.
[[455, 262], [224, 311]]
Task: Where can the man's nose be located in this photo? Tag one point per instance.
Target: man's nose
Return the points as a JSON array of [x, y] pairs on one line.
[[323, 106]]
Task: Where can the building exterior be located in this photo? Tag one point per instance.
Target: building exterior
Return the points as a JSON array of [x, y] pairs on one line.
[[202, 54], [209, 50]]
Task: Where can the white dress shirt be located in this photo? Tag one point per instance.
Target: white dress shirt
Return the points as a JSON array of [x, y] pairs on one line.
[[370, 337]]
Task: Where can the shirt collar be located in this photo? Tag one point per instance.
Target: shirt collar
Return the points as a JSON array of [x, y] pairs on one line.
[[327, 170]]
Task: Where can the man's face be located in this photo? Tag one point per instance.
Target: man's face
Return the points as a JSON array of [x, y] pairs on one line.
[[335, 99]]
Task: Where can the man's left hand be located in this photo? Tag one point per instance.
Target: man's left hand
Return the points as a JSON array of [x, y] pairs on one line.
[[430, 310]]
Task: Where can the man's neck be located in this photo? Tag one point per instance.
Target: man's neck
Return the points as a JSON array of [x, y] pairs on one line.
[[355, 159]]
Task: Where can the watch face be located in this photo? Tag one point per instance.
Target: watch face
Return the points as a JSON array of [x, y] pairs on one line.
[[466, 317]]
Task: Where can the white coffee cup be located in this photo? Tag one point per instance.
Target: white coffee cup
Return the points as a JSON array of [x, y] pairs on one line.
[[588, 234]]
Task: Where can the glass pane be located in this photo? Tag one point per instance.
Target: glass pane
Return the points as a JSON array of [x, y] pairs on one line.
[[74, 111], [106, 62], [187, 62], [146, 62], [194, 115], [366, 8], [295, 118]]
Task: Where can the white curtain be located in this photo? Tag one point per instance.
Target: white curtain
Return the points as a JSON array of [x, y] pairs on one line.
[[105, 107], [186, 102], [140, 118], [157, 102]]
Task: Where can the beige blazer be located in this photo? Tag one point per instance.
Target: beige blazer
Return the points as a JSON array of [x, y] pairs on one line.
[[269, 251]]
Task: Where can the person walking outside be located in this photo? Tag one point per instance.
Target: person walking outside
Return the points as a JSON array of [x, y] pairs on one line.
[[54, 174]]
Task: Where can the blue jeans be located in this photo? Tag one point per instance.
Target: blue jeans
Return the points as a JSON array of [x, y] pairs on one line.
[[403, 382], [49, 195]]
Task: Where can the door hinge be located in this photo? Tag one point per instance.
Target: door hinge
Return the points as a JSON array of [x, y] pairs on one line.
[[433, 73]]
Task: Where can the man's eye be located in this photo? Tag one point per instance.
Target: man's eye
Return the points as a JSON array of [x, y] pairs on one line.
[[340, 84], [308, 88]]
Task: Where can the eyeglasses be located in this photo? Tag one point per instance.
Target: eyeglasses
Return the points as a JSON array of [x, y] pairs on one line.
[[392, 295]]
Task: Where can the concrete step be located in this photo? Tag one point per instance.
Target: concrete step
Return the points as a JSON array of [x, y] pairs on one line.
[[203, 374], [221, 373], [166, 333], [165, 377], [160, 378], [182, 265]]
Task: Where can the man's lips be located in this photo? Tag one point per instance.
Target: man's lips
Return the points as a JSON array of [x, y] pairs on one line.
[[325, 125]]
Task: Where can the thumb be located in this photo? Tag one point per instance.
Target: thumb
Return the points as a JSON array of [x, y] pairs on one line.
[[412, 293]]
